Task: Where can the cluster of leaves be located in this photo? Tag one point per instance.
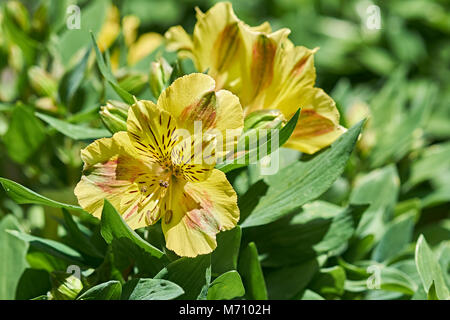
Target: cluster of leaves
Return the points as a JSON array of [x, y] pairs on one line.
[[366, 218]]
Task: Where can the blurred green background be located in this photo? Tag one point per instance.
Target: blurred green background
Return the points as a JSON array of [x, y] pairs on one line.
[[397, 76]]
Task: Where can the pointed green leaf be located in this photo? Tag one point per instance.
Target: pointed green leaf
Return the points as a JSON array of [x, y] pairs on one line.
[[12, 258], [110, 290], [127, 97], [189, 273], [226, 287], [251, 154], [252, 276], [23, 195], [114, 227], [74, 131], [151, 289], [430, 271], [302, 182]]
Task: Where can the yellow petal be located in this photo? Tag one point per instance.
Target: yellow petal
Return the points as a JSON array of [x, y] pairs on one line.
[[217, 43], [263, 27], [194, 158], [177, 39], [110, 29], [198, 212], [146, 44], [151, 130], [318, 125], [293, 71], [259, 56], [130, 28], [114, 171], [110, 168]]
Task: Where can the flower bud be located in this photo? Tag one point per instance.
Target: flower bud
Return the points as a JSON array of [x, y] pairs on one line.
[[264, 119], [65, 286], [114, 115], [160, 72], [42, 83], [260, 119]]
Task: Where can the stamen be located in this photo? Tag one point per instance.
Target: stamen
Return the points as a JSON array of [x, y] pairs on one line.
[[168, 216]]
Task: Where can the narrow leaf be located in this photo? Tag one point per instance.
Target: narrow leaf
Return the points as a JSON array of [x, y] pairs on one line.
[[114, 227]]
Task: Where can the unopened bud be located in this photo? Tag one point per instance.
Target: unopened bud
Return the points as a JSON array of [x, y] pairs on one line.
[[65, 286], [114, 115], [160, 72]]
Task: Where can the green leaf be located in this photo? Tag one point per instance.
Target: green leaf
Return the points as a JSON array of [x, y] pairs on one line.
[[71, 80], [224, 258], [18, 36], [226, 287], [25, 134], [250, 155], [289, 282], [329, 282], [23, 195], [80, 240], [379, 277], [319, 228], [395, 280], [189, 273], [110, 290], [12, 261], [311, 295], [395, 137], [54, 248], [302, 182], [151, 289], [76, 132], [430, 271], [395, 239], [252, 276], [6, 106], [379, 188], [114, 227], [432, 163], [127, 97]]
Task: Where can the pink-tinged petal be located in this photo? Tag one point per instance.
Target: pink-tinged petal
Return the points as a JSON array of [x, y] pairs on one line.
[[107, 173], [216, 41], [111, 170], [197, 107], [318, 125]]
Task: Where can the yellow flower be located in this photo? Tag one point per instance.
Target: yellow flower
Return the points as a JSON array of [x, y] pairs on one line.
[[148, 172], [264, 69]]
